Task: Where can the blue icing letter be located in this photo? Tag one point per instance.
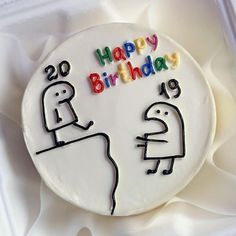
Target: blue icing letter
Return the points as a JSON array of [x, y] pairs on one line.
[[129, 48], [147, 68]]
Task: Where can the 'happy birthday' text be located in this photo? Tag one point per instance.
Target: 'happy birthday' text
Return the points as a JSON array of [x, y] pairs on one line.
[[126, 71]]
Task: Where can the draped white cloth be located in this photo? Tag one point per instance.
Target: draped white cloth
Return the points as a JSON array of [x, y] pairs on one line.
[[207, 206]]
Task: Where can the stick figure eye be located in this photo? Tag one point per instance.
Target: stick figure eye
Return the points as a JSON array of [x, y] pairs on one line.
[[166, 113], [64, 91], [57, 94], [158, 111]]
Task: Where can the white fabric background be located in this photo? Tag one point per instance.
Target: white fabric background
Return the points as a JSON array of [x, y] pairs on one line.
[[28, 32]]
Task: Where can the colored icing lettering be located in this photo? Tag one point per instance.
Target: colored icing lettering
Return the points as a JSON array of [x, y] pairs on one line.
[[153, 41], [134, 71], [140, 44], [160, 64], [114, 78], [124, 73], [106, 79], [119, 54], [107, 82], [174, 58], [105, 55], [129, 48], [147, 68], [96, 83]]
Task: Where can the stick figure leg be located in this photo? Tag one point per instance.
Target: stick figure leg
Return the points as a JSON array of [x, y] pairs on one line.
[[169, 171], [57, 143], [153, 171]]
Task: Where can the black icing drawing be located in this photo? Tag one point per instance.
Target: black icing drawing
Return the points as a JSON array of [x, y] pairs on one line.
[[164, 113], [173, 85], [58, 113]]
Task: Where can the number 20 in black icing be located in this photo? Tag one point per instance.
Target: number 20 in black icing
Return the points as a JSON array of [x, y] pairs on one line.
[[63, 70]]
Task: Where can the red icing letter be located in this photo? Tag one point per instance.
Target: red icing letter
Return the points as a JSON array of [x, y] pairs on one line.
[[97, 84], [118, 53], [134, 71], [153, 40]]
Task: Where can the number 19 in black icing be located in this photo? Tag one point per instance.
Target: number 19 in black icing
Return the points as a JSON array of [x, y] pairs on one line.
[[173, 84]]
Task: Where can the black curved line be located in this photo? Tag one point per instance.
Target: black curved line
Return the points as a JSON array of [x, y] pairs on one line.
[[116, 173], [108, 155], [165, 130]]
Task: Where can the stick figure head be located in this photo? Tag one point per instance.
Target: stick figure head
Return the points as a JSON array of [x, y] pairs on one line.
[[59, 92], [56, 105], [163, 112]]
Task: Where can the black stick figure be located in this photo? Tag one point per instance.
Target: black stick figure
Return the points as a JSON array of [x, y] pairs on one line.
[[164, 113], [58, 111]]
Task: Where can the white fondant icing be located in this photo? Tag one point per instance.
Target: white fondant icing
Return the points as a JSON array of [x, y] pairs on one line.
[[81, 172]]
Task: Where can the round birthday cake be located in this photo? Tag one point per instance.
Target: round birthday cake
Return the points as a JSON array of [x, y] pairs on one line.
[[118, 119]]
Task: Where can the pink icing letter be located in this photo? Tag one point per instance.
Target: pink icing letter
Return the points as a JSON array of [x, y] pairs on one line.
[[153, 40]]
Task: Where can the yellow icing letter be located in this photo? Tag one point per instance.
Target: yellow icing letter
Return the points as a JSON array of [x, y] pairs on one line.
[[174, 58], [140, 44], [124, 73]]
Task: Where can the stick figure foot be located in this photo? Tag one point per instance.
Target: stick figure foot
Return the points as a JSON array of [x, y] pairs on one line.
[[90, 124], [170, 170], [60, 143], [167, 172], [150, 171]]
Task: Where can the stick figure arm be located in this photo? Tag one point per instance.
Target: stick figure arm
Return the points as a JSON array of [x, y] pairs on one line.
[[146, 138], [152, 140], [84, 127], [90, 123], [145, 135]]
